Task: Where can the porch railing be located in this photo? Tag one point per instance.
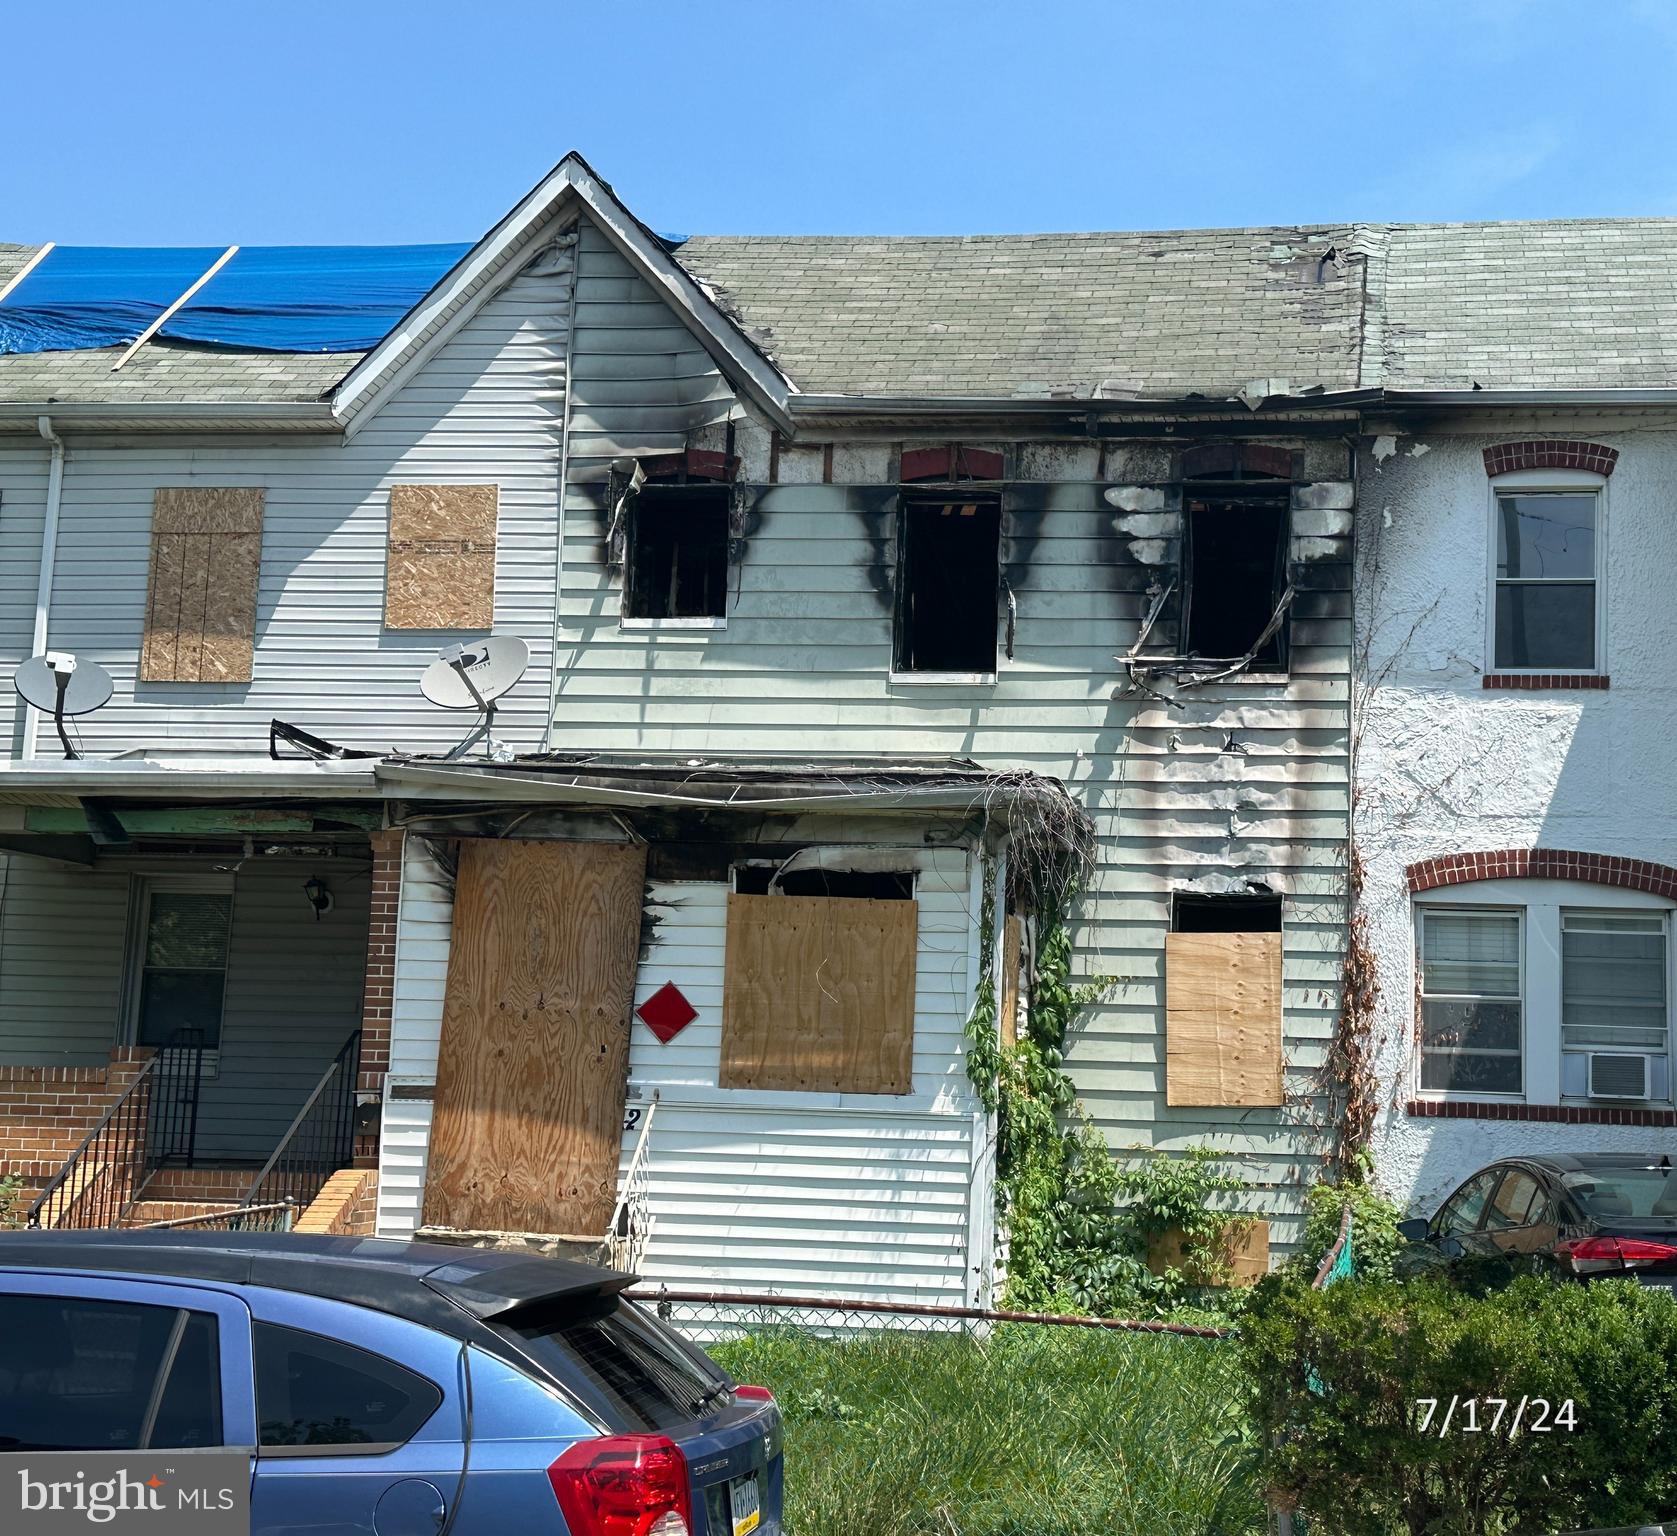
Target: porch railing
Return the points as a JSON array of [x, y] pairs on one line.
[[278, 1214], [631, 1222], [320, 1141], [102, 1178], [177, 1082]]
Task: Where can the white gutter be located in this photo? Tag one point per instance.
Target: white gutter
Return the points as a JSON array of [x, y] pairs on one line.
[[49, 558]]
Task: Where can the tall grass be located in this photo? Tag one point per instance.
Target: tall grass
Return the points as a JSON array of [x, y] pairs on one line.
[[1033, 1431]]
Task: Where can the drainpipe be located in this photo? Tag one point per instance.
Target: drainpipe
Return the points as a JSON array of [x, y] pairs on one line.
[[49, 555]]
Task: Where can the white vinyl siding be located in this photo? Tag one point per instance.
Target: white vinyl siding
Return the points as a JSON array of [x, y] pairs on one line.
[[783, 1191], [803, 669], [486, 409]]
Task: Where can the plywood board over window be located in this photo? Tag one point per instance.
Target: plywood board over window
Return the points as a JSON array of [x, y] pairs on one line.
[[440, 564], [1222, 1018], [819, 994], [534, 1057], [206, 556]]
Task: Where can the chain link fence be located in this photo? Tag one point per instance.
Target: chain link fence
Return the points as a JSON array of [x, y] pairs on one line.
[[950, 1421]]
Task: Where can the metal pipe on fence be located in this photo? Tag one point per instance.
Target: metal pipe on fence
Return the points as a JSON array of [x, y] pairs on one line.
[[912, 1309]]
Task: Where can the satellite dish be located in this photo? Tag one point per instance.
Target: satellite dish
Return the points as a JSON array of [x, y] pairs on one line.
[[473, 677], [60, 685]]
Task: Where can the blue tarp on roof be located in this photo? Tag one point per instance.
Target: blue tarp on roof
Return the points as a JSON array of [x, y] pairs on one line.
[[290, 298]]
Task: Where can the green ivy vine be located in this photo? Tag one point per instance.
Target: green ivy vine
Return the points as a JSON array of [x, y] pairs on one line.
[[1079, 1222]]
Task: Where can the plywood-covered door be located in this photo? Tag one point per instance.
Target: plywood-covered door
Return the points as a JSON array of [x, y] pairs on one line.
[[535, 1038]]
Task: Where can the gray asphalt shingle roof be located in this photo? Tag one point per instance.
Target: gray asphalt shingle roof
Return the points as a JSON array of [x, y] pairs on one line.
[[1586, 303], [1039, 315]]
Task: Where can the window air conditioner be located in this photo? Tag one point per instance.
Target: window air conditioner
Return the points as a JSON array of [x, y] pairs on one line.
[[1614, 1076]]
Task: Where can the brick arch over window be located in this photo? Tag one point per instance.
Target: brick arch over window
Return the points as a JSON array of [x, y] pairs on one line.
[[1544, 864], [1550, 453]]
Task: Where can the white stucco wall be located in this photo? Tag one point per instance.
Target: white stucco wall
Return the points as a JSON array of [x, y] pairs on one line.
[[1444, 765]]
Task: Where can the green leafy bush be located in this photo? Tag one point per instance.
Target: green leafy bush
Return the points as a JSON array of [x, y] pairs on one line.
[[11, 1201], [1374, 1236], [1341, 1379]]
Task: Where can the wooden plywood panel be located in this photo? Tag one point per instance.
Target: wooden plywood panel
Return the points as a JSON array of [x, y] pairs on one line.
[[1013, 949], [206, 557], [534, 1053], [1242, 1258], [1222, 1018], [440, 566], [819, 994]]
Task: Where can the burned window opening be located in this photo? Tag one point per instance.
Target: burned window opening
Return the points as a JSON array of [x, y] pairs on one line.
[[1237, 913], [1235, 567], [948, 567], [862, 884], [677, 556]]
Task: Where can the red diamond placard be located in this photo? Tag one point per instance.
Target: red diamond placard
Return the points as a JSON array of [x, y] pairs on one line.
[[666, 1013]]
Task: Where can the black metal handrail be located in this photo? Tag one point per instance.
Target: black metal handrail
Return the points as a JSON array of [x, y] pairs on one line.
[[177, 1083], [321, 1139], [101, 1179]]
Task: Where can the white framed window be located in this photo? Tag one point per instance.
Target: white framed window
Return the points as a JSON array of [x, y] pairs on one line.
[[1547, 537], [1615, 1002], [1472, 1023], [179, 954], [1575, 977]]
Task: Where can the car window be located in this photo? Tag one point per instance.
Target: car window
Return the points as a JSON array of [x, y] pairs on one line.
[[79, 1374], [316, 1391], [1642, 1194], [612, 1352], [1518, 1202], [1468, 1203]]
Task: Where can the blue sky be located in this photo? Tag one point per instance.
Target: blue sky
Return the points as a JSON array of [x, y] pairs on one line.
[[364, 121]]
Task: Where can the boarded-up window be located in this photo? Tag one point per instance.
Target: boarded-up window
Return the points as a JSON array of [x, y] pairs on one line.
[[1222, 1018], [819, 994], [206, 554], [440, 567]]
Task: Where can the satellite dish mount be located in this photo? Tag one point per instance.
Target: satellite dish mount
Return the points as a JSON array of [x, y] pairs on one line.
[[474, 677], [56, 683]]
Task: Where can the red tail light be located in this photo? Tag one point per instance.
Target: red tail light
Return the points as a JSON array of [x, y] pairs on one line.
[[623, 1485], [1603, 1251], [754, 1394]]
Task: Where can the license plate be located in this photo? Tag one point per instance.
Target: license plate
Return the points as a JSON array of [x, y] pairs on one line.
[[747, 1507]]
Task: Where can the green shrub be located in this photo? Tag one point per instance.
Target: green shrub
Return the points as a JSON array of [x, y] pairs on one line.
[[1340, 1379], [1374, 1236], [11, 1201]]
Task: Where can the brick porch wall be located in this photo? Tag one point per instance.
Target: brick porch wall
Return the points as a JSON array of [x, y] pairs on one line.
[[46, 1111], [378, 989]]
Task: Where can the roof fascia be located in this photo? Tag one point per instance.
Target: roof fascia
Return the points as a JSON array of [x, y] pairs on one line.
[[429, 324], [313, 415]]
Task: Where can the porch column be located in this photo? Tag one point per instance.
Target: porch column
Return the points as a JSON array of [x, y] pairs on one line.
[[378, 990]]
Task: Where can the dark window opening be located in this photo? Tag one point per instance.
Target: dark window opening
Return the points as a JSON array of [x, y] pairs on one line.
[[1256, 913], [678, 553], [1236, 567], [864, 884], [947, 572]]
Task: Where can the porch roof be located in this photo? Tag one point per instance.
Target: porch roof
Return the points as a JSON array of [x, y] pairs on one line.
[[935, 785], [50, 781]]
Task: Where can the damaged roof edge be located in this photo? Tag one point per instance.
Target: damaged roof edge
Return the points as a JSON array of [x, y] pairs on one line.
[[998, 405]]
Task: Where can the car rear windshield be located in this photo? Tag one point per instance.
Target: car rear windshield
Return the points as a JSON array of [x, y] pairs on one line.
[[622, 1361], [1625, 1194]]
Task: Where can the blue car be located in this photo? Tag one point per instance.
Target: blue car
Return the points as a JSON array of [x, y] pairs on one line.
[[382, 1388]]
